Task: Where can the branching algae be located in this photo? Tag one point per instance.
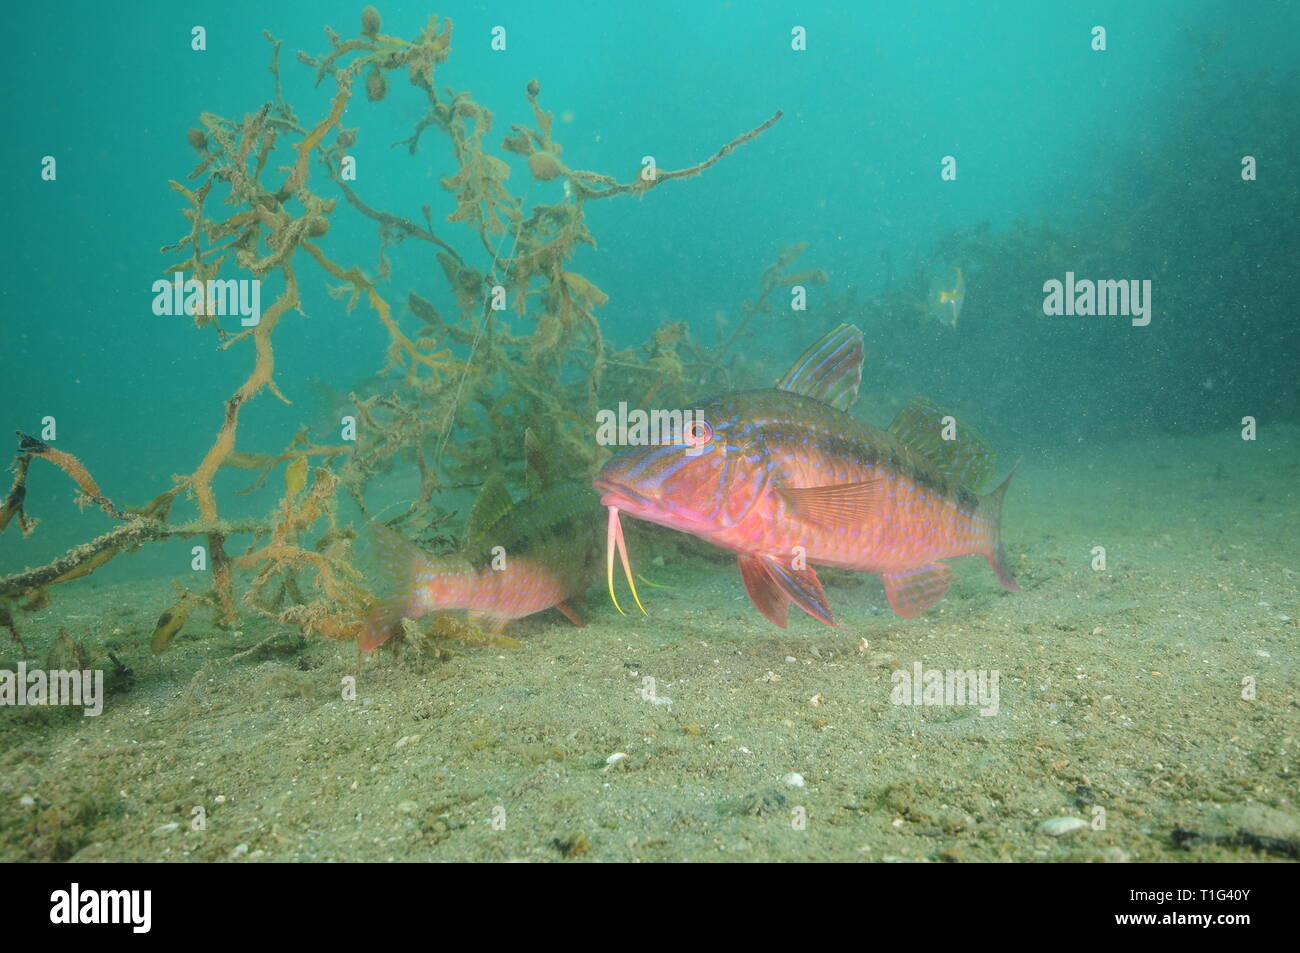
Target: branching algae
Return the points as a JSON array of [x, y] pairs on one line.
[[264, 193]]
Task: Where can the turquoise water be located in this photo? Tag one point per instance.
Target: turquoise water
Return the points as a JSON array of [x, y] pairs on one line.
[[1134, 153], [917, 141]]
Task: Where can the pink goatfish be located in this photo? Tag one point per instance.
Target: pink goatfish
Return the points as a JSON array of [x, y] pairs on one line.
[[518, 558], [786, 479]]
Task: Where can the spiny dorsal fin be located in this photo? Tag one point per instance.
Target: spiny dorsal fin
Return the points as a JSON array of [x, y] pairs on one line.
[[492, 503], [830, 370], [967, 458], [536, 465]]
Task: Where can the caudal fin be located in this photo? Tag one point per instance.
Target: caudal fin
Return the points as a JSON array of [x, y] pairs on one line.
[[991, 505], [402, 563]]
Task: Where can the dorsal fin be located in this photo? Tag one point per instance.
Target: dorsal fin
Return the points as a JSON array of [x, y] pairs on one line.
[[967, 457], [830, 370], [492, 503], [537, 469]]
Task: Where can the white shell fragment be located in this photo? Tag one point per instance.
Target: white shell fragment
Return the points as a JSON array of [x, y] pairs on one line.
[[1059, 826], [794, 779]]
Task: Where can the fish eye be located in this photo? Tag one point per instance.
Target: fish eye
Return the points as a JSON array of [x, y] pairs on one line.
[[698, 434]]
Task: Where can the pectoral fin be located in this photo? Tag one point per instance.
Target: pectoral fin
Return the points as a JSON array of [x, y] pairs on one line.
[[842, 504], [912, 592]]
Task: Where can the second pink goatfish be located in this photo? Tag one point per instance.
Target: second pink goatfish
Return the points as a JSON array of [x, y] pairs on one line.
[[517, 559], [786, 479]]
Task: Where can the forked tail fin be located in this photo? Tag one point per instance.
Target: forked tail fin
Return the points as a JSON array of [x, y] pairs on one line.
[[991, 505]]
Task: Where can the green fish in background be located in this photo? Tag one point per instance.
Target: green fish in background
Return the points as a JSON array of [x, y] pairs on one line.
[[947, 294], [518, 558]]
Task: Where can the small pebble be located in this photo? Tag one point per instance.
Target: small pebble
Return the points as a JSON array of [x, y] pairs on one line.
[[27, 801], [166, 828], [791, 659], [1058, 826], [794, 779], [616, 757]]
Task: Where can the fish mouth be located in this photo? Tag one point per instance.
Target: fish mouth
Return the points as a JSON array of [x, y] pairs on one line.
[[650, 509], [625, 498]]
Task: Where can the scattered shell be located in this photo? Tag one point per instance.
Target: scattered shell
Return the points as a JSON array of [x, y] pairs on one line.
[[1059, 826], [816, 700], [27, 801], [794, 779], [791, 659], [166, 828], [616, 757]]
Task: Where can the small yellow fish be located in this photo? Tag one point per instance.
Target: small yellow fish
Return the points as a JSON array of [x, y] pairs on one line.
[[947, 294], [170, 624]]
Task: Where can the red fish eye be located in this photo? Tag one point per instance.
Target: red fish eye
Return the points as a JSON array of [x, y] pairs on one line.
[[698, 434]]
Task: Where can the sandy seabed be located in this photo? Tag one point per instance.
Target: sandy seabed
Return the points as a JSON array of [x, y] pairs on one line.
[[1120, 704]]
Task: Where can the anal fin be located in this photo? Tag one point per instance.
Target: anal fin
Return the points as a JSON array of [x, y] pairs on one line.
[[913, 591]]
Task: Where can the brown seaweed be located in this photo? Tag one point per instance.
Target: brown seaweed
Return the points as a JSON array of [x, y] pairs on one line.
[[257, 205]]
